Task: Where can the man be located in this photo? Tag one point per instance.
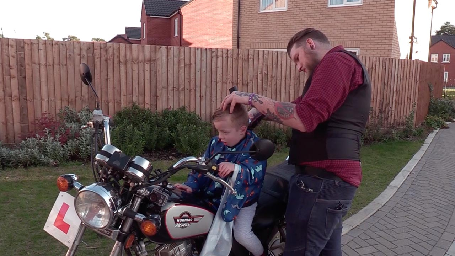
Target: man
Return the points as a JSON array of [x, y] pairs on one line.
[[328, 121]]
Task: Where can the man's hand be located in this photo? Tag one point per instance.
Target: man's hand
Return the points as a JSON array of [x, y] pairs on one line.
[[235, 98], [225, 168], [183, 187]]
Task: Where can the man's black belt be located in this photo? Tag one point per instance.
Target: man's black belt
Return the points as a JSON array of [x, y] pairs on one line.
[[313, 171]]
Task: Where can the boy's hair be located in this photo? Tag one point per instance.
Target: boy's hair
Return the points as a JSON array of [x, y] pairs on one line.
[[299, 38], [239, 116]]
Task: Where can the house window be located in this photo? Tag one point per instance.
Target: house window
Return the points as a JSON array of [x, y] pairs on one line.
[[176, 27], [446, 58], [333, 3], [356, 51], [273, 5], [446, 76], [143, 32], [434, 58]]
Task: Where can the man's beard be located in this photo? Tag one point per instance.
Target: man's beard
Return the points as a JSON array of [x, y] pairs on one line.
[[312, 65], [313, 61]]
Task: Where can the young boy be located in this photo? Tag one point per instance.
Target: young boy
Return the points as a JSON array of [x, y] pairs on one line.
[[233, 136]]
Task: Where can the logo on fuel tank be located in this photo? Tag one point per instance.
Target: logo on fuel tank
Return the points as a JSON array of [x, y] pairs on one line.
[[185, 219]]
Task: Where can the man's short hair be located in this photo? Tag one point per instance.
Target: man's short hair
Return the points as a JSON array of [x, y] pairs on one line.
[[299, 38], [239, 116]]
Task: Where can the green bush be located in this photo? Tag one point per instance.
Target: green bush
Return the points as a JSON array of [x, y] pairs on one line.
[[79, 148], [56, 141], [442, 108], [170, 119], [435, 122], [129, 138], [143, 120], [159, 130], [280, 137], [192, 139], [36, 151]]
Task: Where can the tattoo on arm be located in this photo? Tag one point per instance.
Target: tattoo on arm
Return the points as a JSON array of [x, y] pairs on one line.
[[273, 117], [284, 110], [256, 98]]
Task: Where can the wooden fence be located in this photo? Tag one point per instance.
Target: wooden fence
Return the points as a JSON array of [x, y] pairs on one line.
[[38, 76]]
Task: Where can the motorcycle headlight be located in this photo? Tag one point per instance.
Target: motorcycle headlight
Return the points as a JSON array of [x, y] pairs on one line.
[[95, 205]]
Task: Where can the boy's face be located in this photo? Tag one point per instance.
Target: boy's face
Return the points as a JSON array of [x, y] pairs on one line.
[[228, 132]]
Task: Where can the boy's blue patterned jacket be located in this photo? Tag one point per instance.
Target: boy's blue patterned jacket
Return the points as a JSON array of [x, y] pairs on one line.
[[248, 183]]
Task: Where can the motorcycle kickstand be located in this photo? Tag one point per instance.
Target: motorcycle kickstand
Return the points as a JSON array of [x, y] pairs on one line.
[[77, 240]]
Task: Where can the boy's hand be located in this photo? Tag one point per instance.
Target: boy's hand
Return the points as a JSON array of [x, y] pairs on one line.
[[225, 168], [183, 188]]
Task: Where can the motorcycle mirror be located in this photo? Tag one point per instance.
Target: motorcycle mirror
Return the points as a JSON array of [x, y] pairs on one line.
[[262, 149], [86, 76]]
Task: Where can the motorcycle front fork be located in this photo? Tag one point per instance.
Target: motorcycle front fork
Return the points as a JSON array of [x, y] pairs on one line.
[[126, 227], [77, 240]]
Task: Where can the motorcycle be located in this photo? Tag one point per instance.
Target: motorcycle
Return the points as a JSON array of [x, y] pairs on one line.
[[135, 205]]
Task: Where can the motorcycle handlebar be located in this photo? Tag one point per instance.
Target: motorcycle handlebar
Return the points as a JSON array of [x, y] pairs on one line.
[[90, 124], [206, 169]]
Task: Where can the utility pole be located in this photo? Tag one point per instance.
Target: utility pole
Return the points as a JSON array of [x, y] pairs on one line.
[[412, 33], [431, 26]]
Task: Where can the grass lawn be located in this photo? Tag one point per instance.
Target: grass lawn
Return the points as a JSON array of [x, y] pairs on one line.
[[27, 196]]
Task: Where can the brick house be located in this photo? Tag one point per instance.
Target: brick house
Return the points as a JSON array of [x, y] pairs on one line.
[[132, 36], [442, 49], [367, 27], [195, 23]]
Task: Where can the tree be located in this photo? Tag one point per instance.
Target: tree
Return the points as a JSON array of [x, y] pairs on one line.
[[45, 37], [96, 39], [71, 38], [446, 29]]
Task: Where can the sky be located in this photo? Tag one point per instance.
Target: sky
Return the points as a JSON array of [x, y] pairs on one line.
[[104, 19]]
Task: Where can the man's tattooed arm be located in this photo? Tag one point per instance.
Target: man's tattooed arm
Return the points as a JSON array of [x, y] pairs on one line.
[[285, 110], [280, 112], [273, 117], [255, 98]]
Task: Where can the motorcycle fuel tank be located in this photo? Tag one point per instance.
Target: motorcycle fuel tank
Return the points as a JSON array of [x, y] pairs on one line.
[[185, 220]]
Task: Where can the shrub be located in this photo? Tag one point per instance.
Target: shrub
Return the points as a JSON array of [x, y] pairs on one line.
[[435, 122], [142, 119], [80, 147], [56, 141], [41, 150], [129, 138], [170, 119], [279, 136], [159, 130], [192, 139], [443, 108]]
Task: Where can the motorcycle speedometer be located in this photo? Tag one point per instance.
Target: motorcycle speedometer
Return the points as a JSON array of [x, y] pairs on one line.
[[95, 205]]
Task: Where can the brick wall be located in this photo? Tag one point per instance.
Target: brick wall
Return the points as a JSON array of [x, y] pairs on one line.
[[396, 53], [207, 23], [158, 30], [370, 27], [175, 40], [441, 48]]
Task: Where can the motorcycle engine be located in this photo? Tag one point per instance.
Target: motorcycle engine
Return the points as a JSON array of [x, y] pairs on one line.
[[175, 249]]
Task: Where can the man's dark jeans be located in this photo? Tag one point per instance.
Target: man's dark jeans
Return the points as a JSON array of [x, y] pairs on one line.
[[314, 215]]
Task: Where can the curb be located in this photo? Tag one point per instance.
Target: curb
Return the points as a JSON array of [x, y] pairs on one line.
[[379, 201]]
